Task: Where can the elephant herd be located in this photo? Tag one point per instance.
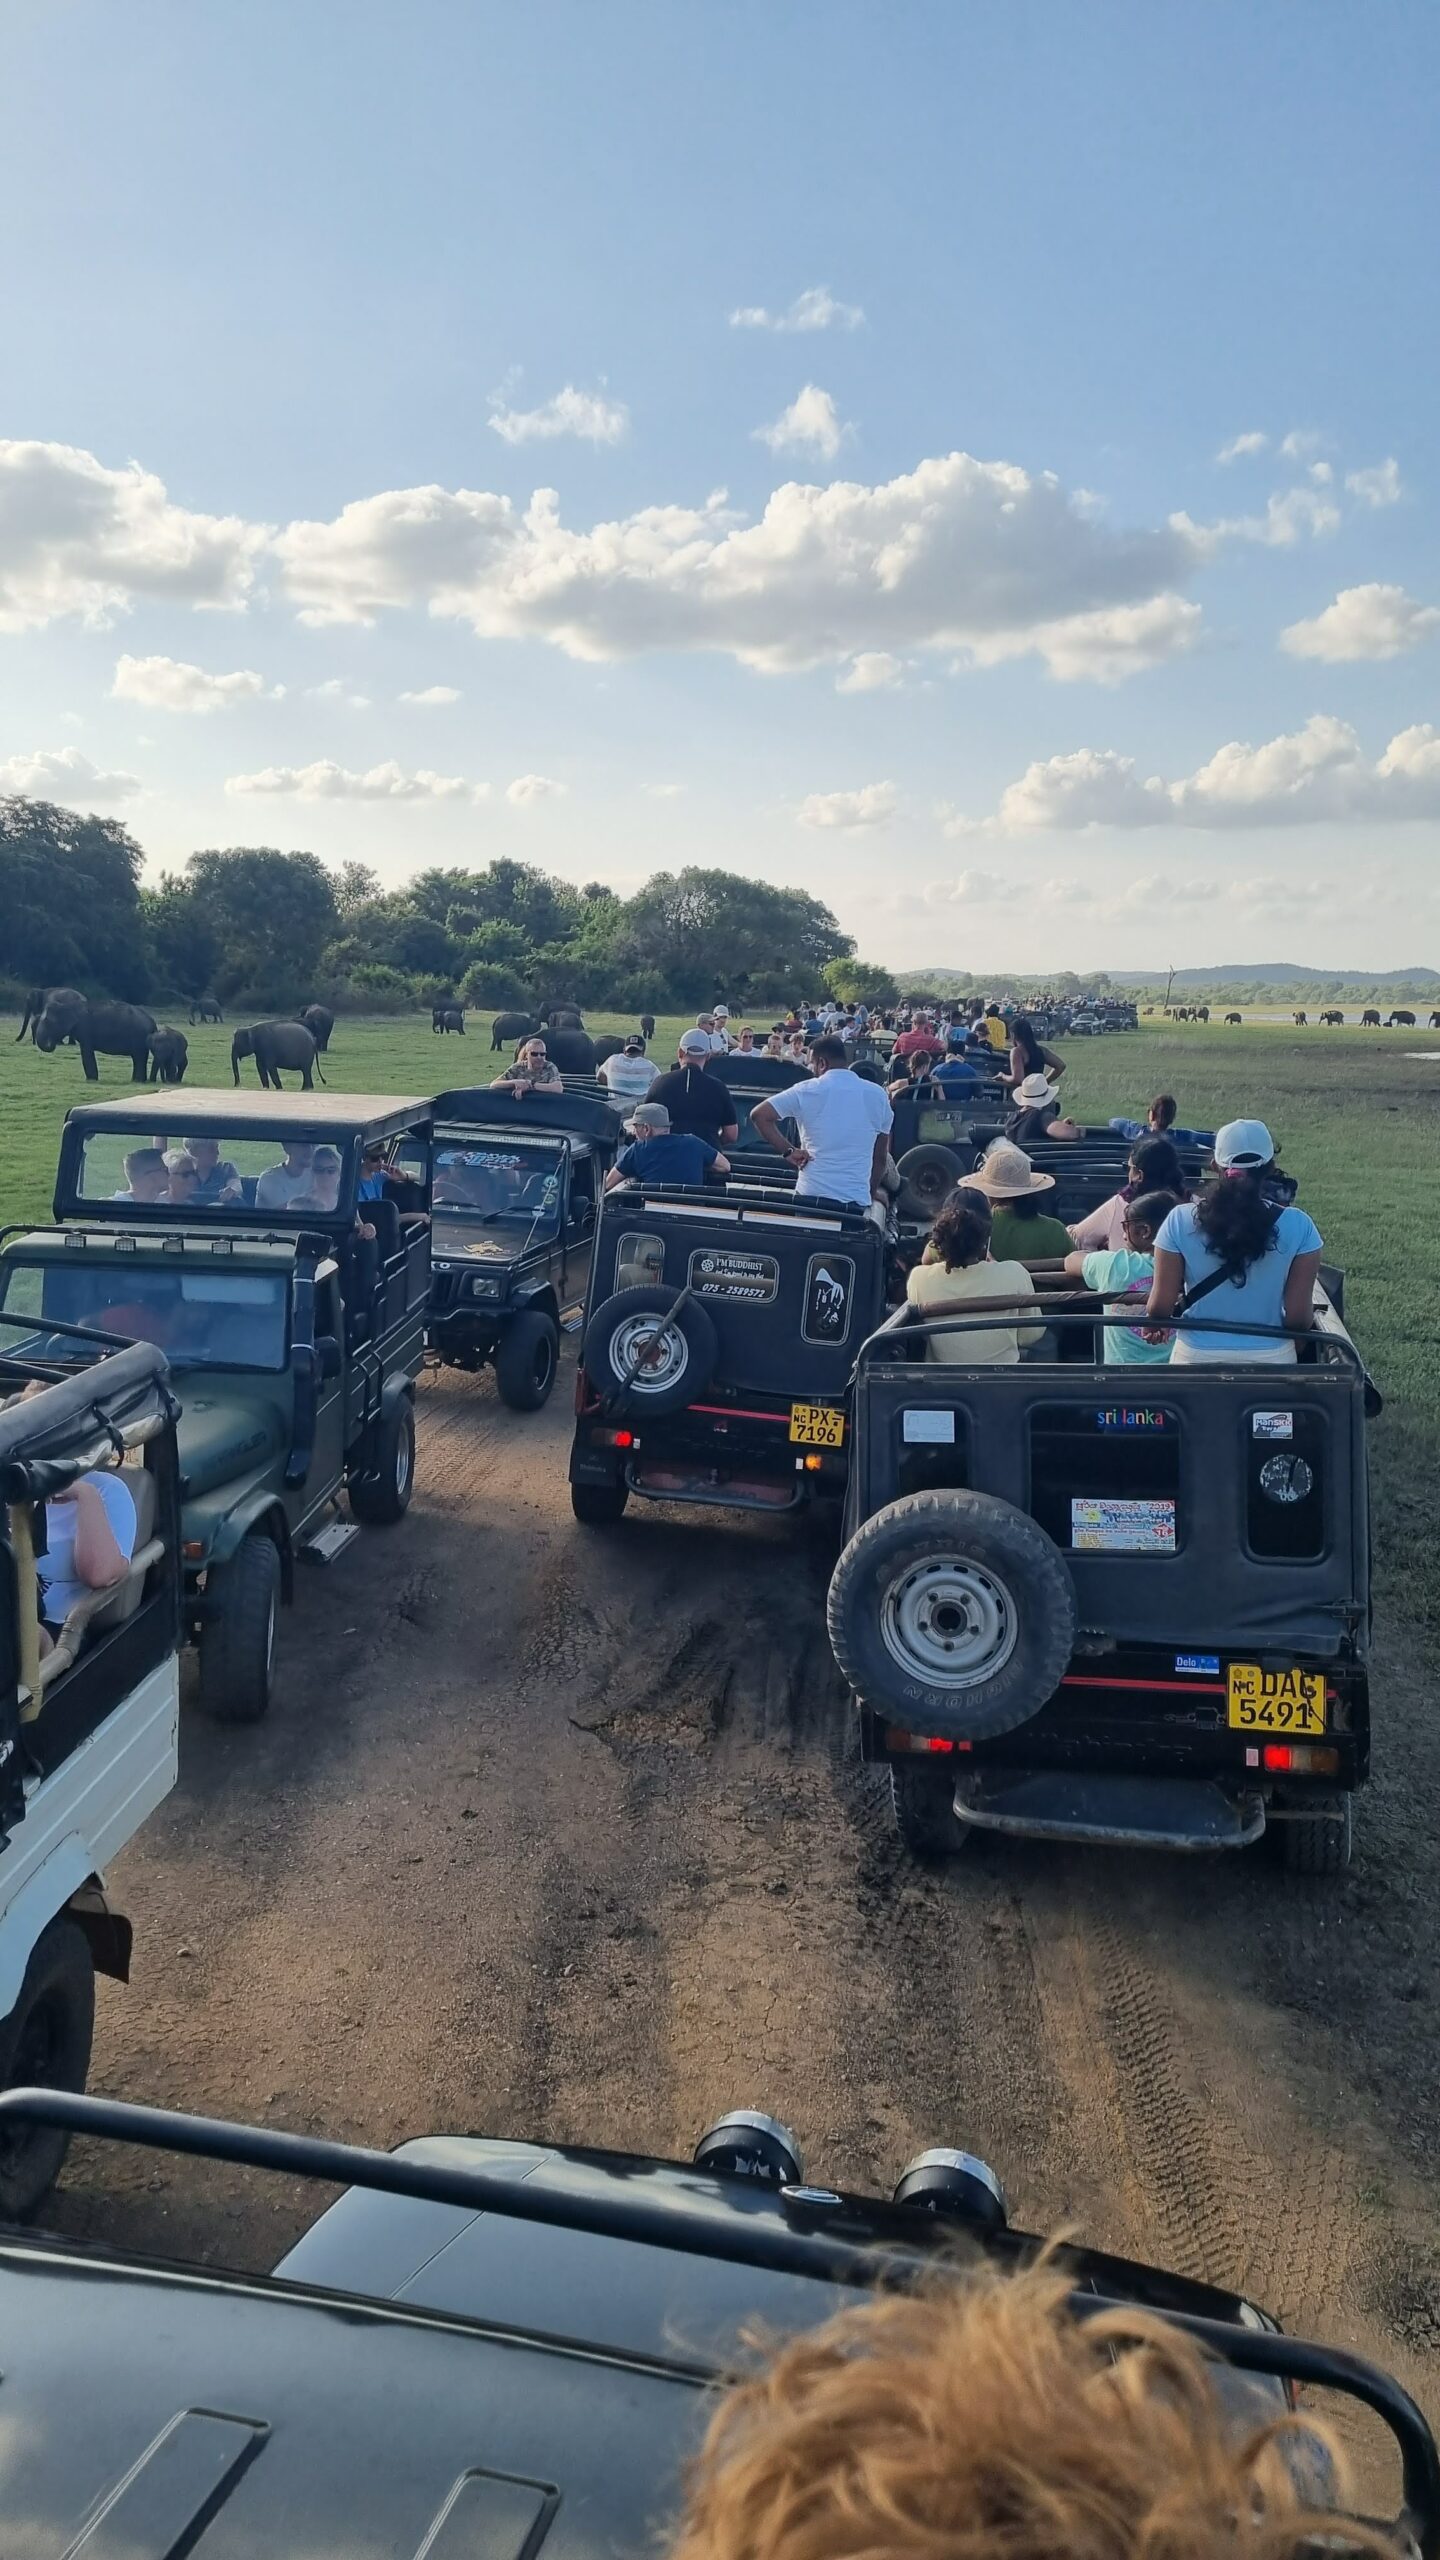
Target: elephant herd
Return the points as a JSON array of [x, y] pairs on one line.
[[55, 1016]]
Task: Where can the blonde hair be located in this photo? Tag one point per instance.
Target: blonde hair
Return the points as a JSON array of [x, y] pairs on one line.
[[979, 2420]]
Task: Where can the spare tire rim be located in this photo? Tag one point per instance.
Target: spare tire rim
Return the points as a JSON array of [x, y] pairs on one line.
[[948, 1622], [648, 1354]]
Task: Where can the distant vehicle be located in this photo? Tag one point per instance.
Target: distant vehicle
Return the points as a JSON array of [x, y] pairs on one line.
[[552, 2324], [88, 1731]]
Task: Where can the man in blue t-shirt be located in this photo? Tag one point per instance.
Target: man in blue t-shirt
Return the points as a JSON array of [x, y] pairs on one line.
[[663, 1154]]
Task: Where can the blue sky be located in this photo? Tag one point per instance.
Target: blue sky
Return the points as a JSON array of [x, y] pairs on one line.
[[919, 584]]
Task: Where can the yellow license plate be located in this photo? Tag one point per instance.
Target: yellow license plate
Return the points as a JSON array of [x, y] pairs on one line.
[[1276, 1701], [817, 1426]]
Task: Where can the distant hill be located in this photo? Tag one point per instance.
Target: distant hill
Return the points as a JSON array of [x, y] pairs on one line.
[[1282, 973]]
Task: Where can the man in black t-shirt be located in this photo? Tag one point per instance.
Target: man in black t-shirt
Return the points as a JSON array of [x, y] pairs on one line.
[[699, 1105]]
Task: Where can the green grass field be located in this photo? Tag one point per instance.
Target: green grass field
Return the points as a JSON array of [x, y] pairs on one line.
[[1357, 1120]]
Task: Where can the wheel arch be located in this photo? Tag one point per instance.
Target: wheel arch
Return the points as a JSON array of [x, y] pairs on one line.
[[259, 1512]]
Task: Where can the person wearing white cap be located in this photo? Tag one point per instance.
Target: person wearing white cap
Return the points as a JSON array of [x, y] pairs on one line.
[[1234, 1257], [694, 1094]]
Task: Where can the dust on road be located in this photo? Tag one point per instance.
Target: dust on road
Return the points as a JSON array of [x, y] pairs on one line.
[[560, 1834]]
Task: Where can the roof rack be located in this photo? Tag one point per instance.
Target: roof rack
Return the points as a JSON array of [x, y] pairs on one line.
[[780, 2230]]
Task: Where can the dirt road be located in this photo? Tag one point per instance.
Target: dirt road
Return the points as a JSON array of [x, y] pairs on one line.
[[558, 1833]]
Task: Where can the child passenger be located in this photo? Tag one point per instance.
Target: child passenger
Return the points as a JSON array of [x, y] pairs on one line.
[[1127, 1271]]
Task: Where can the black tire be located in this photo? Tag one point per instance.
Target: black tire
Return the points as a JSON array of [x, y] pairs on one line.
[[599, 1505], [928, 1175], [526, 1361], [1318, 1843], [922, 1800], [237, 1640], [681, 1368], [952, 1614], [381, 1496], [45, 2043]]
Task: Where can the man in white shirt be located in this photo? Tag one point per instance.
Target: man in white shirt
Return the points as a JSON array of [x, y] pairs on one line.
[[721, 1033], [844, 1123], [627, 1075], [279, 1183]]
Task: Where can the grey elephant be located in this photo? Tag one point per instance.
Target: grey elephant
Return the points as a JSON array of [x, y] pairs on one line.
[[561, 1017], [36, 1002], [572, 1051], [647, 1025], [116, 1030], [205, 1009], [511, 1026], [169, 1056], [448, 1017], [274, 1045], [609, 1045], [1401, 1021], [319, 1021]]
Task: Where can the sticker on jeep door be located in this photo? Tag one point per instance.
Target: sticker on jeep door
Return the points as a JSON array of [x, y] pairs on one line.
[[829, 1288], [753, 1276]]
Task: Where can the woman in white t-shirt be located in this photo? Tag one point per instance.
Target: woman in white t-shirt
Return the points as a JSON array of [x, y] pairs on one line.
[[958, 1276]]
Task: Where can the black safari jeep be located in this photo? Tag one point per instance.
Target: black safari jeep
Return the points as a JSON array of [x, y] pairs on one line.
[[1109, 1603], [502, 2348], [293, 1339], [516, 1183], [720, 1332]]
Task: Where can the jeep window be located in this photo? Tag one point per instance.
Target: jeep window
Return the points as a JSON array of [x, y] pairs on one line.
[[1105, 1476], [478, 1182], [199, 1319], [277, 1177], [639, 1262]]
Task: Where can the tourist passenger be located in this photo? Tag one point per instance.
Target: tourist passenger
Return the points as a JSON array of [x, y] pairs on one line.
[[698, 1102], [1127, 1270], [279, 1183], [663, 1154], [532, 1070], [992, 1023], [219, 1178], [1024, 1231], [1153, 1166], [844, 1122], [1159, 1122], [1233, 1256], [1029, 1056], [1036, 1109], [183, 1189], [627, 1075], [922, 1042], [89, 1538], [775, 1045], [745, 1042], [958, 1273], [147, 1177]]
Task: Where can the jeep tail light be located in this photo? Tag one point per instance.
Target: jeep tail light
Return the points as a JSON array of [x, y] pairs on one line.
[[616, 1439], [1301, 1759]]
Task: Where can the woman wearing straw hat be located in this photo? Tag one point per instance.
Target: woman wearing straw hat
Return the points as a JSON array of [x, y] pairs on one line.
[[1022, 1231]]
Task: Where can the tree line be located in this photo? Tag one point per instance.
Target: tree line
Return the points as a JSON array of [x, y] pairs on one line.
[[259, 927]]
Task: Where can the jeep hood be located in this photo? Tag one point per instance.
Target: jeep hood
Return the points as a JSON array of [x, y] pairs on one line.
[[224, 1436], [461, 1242]]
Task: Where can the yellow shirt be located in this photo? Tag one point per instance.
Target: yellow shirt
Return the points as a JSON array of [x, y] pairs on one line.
[[995, 1031], [938, 1292]]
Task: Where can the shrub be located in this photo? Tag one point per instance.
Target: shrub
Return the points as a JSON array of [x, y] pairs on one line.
[[490, 985]]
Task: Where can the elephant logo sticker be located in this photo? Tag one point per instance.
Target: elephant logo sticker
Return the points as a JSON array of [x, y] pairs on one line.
[[829, 1288]]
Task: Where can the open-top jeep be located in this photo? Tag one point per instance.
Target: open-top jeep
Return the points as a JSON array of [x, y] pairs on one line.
[[516, 1183], [89, 1725], [501, 2348], [1116, 1604], [720, 1330], [294, 1339]]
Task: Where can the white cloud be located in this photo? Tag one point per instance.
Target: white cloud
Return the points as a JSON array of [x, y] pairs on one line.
[[1380, 486], [1105, 647], [1240, 447], [1314, 774], [76, 538], [1289, 513], [326, 781], [810, 425], [816, 308], [663, 790], [1323, 474], [957, 553], [434, 697], [874, 671], [1373, 621], [874, 805], [529, 787], [334, 689], [570, 413], [169, 684], [1301, 442], [64, 774]]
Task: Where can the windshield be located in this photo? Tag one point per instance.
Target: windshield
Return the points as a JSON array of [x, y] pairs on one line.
[[199, 1319], [213, 1177], [490, 1185]]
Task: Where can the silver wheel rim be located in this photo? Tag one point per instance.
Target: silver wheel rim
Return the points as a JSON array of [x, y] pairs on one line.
[[949, 1623], [402, 1460], [666, 1361]]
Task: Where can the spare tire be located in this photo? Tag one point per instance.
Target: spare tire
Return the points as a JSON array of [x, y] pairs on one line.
[[952, 1614], [677, 1368], [928, 1175]]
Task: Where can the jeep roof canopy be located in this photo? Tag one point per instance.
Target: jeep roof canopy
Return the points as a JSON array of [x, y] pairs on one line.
[[573, 1115], [264, 1120]]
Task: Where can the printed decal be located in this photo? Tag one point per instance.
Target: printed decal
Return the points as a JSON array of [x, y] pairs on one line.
[[1102, 1527]]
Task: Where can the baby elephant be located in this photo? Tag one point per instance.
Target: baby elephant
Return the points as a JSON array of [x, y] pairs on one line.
[[448, 1017], [169, 1057]]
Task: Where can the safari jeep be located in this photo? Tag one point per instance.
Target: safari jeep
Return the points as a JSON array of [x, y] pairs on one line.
[[720, 1331], [294, 1341], [87, 1729], [505, 2349], [1111, 1604], [516, 1180]]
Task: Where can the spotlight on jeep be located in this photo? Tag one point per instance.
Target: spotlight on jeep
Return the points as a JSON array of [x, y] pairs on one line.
[[956, 2184], [743, 2144]]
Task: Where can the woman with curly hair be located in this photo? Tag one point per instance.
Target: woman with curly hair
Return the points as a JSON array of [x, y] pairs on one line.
[[1235, 1257]]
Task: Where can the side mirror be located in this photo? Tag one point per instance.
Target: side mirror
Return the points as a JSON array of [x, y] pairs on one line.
[[327, 1356]]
